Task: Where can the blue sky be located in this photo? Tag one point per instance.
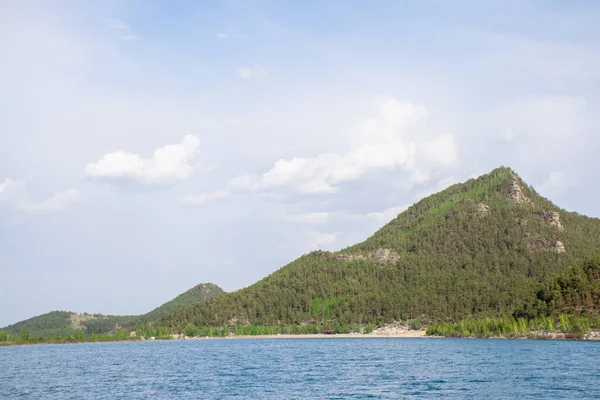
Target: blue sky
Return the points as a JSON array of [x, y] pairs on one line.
[[151, 146]]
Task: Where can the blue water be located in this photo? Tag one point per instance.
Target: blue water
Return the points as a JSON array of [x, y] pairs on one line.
[[303, 368]]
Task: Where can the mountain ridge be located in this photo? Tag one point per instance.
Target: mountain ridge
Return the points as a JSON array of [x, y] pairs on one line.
[[68, 322], [475, 249]]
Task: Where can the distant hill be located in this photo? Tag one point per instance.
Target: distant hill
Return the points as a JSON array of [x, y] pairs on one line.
[[65, 322], [197, 294], [477, 249]]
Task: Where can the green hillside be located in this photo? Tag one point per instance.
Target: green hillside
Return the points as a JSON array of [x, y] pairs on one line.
[[477, 249], [64, 323], [566, 305], [197, 294]]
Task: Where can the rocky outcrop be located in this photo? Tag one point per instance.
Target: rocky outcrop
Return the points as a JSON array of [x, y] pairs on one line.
[[381, 256], [482, 210], [553, 218], [536, 243], [516, 194]]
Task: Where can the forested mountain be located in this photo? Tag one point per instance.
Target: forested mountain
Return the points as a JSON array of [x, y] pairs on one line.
[[64, 322], [477, 249], [489, 247]]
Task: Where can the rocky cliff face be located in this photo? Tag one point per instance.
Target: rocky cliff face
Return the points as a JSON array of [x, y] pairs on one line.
[[553, 218], [482, 210], [380, 256], [516, 191]]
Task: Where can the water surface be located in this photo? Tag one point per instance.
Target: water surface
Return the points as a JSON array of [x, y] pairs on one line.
[[303, 368]]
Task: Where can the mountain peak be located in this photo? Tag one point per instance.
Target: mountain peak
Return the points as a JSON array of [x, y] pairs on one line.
[[478, 248], [500, 196]]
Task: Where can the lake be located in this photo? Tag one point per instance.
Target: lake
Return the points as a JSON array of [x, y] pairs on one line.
[[303, 368]]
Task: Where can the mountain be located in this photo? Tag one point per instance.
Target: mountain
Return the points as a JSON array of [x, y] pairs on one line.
[[477, 249], [64, 323], [195, 295]]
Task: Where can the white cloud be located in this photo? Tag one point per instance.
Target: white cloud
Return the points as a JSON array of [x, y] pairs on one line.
[[249, 73], [121, 29], [556, 183], [379, 143], [9, 187], [58, 202], [204, 198], [168, 164], [317, 239], [15, 194]]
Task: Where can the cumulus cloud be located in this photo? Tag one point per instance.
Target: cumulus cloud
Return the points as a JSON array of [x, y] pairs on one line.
[[249, 73], [121, 29], [316, 239], [204, 198], [380, 143], [59, 202], [169, 164]]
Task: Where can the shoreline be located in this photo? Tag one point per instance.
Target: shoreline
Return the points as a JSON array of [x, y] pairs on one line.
[[416, 334], [403, 335], [407, 335]]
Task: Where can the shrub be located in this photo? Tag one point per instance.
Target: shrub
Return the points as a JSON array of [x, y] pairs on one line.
[[191, 330], [416, 325]]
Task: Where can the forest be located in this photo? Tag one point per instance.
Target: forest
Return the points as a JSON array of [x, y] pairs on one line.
[[475, 250], [67, 323]]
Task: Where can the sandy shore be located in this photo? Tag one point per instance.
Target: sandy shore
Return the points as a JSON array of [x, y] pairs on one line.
[[408, 334]]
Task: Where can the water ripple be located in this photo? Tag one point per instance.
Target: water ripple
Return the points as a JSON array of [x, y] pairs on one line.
[[301, 368]]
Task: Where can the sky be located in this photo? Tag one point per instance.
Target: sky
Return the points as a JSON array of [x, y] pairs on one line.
[[147, 147]]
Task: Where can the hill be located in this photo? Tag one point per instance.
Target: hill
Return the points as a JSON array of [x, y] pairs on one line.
[[64, 323], [477, 249]]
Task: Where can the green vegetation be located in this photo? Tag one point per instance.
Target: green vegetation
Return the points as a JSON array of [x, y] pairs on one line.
[[253, 330], [65, 324], [515, 327], [568, 302], [197, 294], [50, 324], [471, 251], [574, 291], [75, 337]]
